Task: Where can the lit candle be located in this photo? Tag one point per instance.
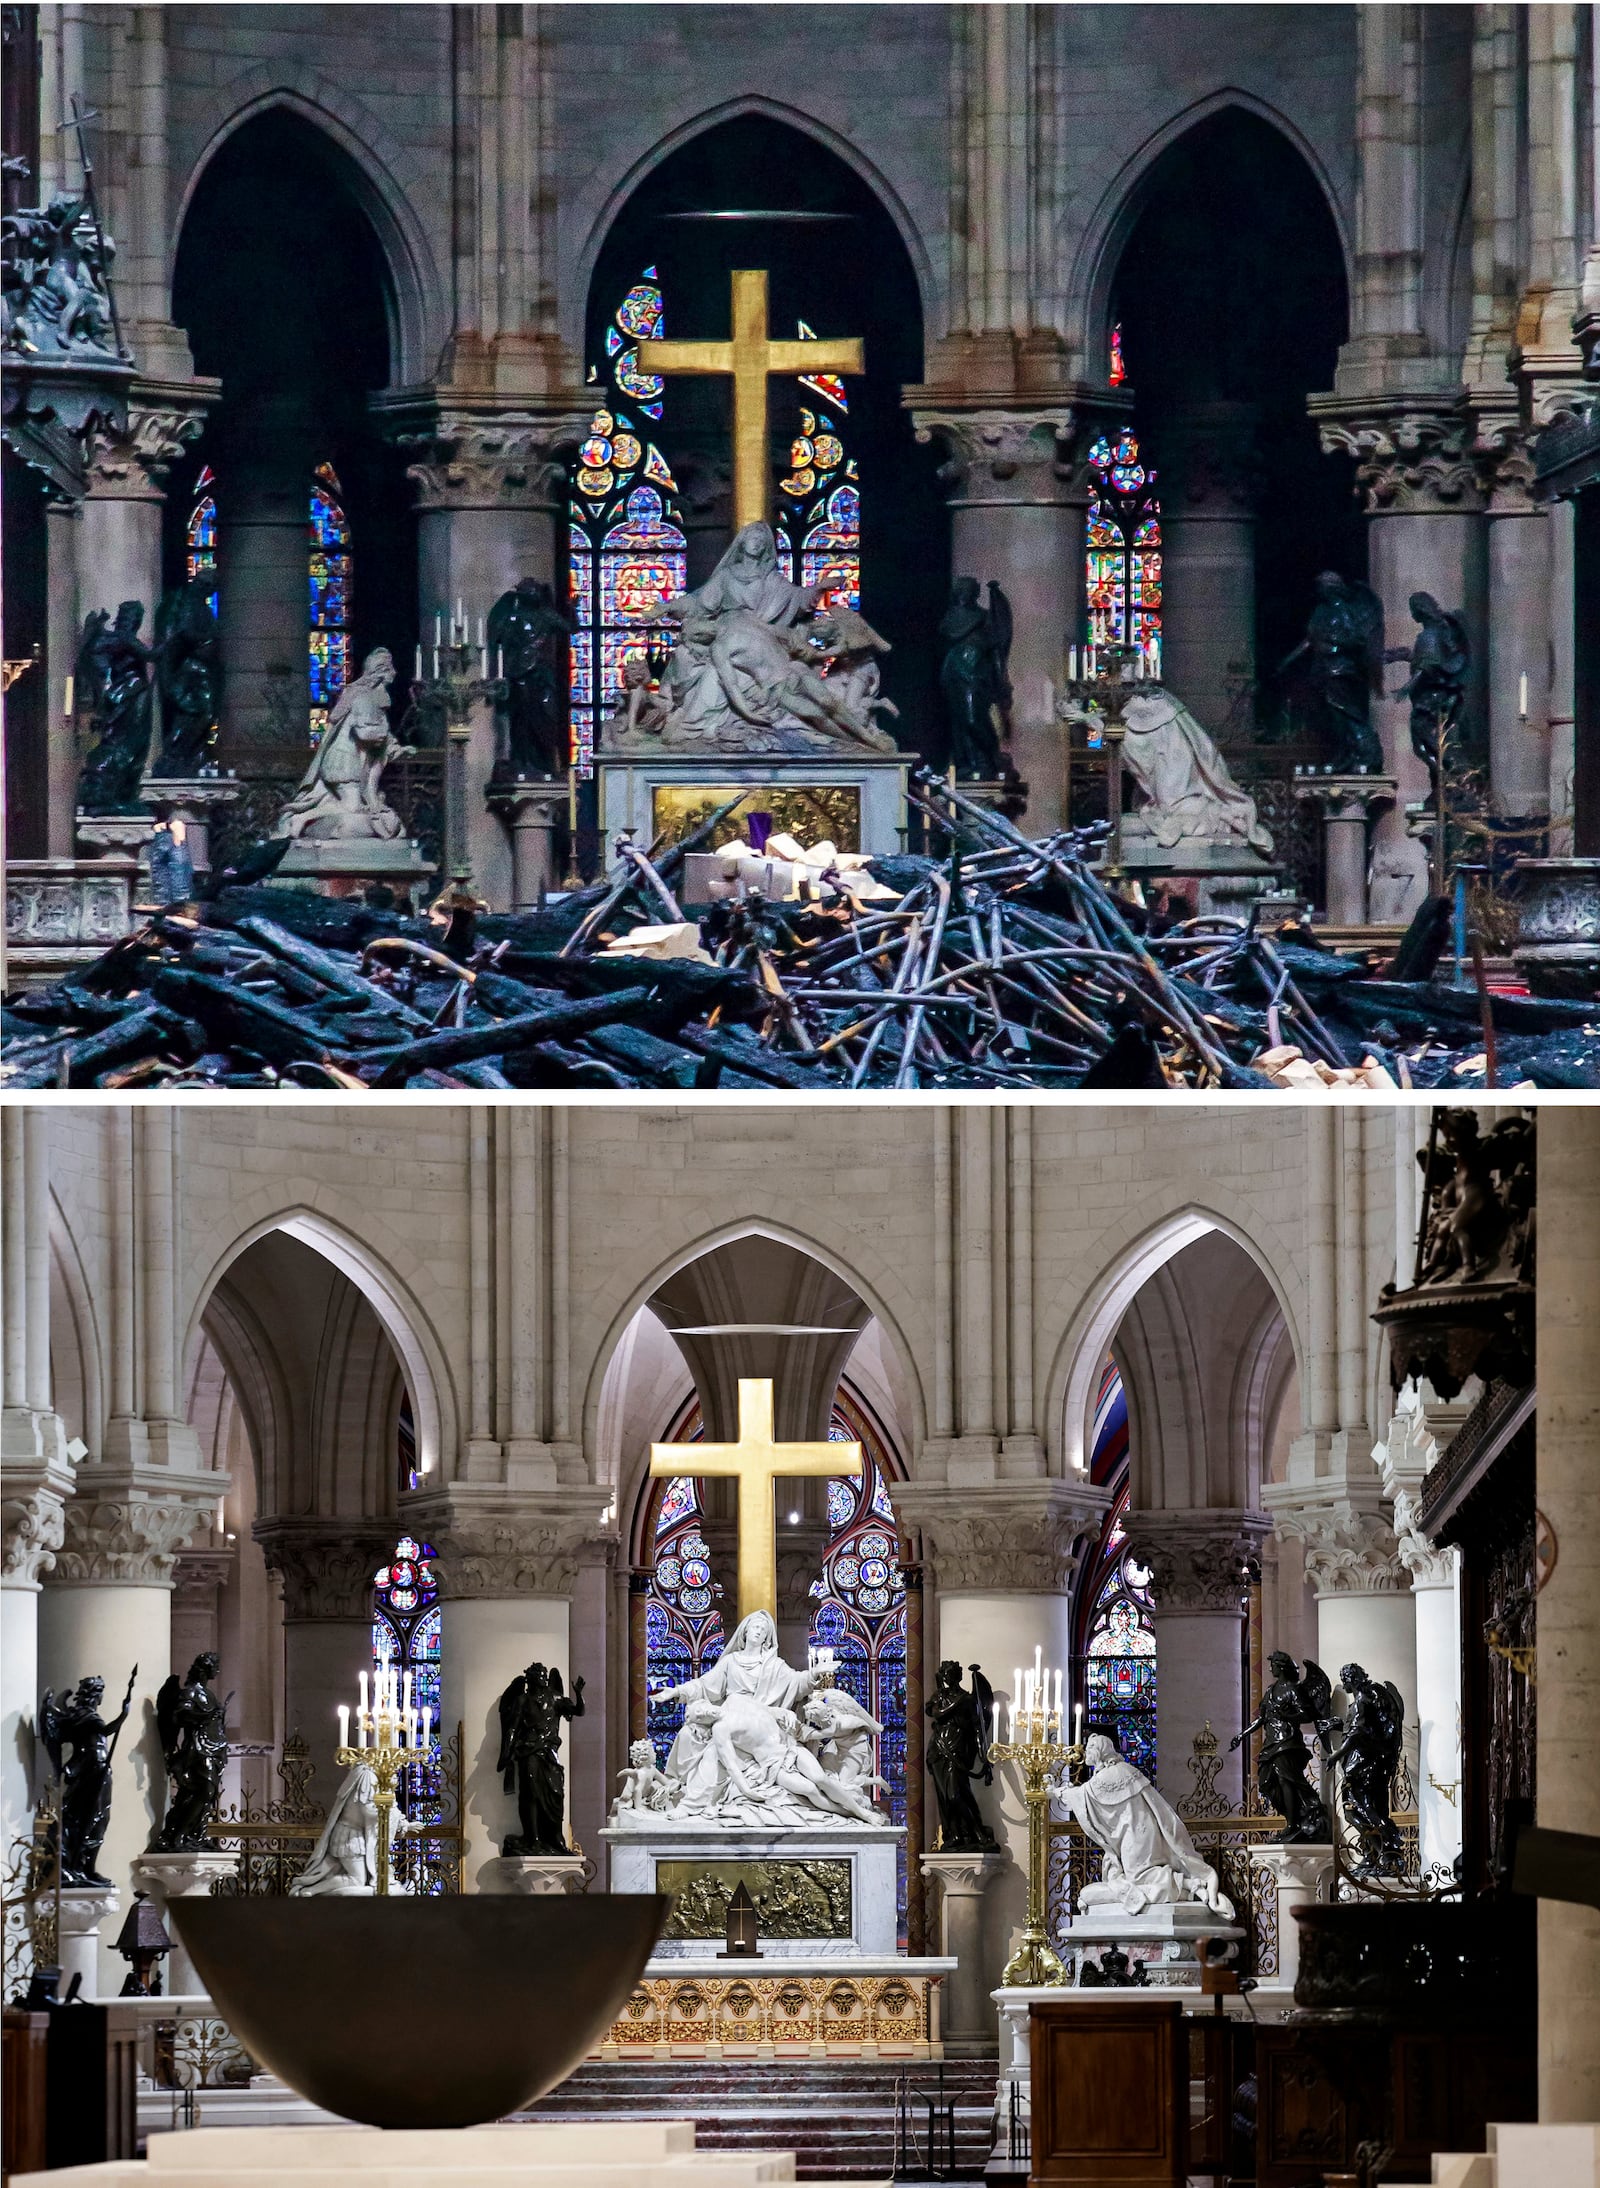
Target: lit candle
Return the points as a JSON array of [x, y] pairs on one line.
[[424, 1741], [344, 1724], [1072, 664], [1522, 696], [483, 659], [436, 664], [438, 633], [66, 699], [1078, 1727], [1012, 1734], [499, 662], [461, 616], [419, 661], [363, 1694]]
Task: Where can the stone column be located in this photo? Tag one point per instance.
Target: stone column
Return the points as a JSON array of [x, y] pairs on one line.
[[1419, 1432], [1347, 804], [800, 1553], [326, 1567], [1568, 1364], [119, 538], [265, 612], [1199, 1569], [1300, 1876], [63, 630], [106, 1608], [491, 490], [1017, 516], [507, 1565], [531, 813], [33, 1449], [1518, 618], [1209, 476], [1365, 1609], [967, 2013], [1002, 1557]]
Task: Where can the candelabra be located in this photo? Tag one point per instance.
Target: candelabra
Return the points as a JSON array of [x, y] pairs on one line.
[[390, 1736], [1100, 681], [460, 680], [1035, 1747]]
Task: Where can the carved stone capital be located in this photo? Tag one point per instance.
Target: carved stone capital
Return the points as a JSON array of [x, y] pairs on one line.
[[483, 457], [326, 1566], [1198, 1561], [1428, 1565], [199, 1574], [1350, 1547], [964, 1876], [1503, 451], [1012, 455], [1006, 1538], [33, 1520], [492, 1542], [132, 1538], [1410, 459], [129, 461]]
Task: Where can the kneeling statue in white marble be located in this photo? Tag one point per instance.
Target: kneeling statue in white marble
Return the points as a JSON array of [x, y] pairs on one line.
[[1149, 1858], [1187, 795], [344, 1862]]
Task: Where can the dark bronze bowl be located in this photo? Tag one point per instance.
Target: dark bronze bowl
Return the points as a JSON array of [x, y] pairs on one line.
[[506, 1996]]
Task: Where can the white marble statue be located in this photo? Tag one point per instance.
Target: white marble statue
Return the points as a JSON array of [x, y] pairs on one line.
[[1188, 796], [644, 1787], [749, 1757], [338, 796], [1150, 1859], [747, 671], [344, 1862]]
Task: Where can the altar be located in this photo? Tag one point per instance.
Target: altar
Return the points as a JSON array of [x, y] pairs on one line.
[[856, 799]]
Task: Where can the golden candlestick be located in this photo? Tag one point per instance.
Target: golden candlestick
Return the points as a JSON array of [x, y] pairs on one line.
[[1035, 1747], [390, 1736], [386, 1764]]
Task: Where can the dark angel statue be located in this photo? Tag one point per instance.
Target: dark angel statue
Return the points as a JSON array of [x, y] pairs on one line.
[[958, 1752], [1478, 1206], [531, 640], [1343, 653], [194, 1740], [531, 1712], [1439, 658], [53, 267], [114, 676], [188, 677], [1289, 1703], [74, 1721], [974, 678], [1368, 1757]]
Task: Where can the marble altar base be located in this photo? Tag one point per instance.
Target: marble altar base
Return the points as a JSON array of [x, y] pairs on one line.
[[636, 1857], [651, 793], [1229, 876], [1163, 1938], [633, 2154], [799, 2006], [348, 865]]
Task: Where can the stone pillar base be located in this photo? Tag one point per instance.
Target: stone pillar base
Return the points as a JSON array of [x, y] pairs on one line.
[[165, 1877], [525, 1876], [1347, 804], [1301, 1875], [530, 811], [964, 1880], [83, 1908]]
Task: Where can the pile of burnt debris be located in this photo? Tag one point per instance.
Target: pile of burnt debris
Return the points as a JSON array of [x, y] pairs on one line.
[[1008, 964]]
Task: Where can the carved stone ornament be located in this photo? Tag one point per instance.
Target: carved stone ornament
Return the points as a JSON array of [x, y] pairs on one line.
[[326, 1569], [1503, 452], [1198, 1561], [1025, 448], [133, 1542], [131, 464], [1348, 1550], [1407, 460], [1469, 1310], [1429, 1566], [498, 1546], [1015, 1539], [34, 1523], [514, 461]]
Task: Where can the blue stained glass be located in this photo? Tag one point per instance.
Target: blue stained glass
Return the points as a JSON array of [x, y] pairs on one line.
[[1115, 1650], [1122, 562], [407, 1636]]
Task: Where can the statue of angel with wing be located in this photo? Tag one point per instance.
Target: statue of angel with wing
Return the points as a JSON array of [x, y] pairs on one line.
[[1288, 1704], [1368, 1757], [532, 1709], [194, 1742]]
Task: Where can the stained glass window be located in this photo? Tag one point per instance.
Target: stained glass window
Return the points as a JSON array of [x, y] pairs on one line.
[[859, 1598], [818, 517], [1122, 569], [627, 549], [330, 575], [202, 534], [1114, 1646], [405, 1638]]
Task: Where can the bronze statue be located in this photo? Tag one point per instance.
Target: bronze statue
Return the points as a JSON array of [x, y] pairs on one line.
[[1439, 658], [1289, 1703], [85, 1775], [958, 1752], [531, 1712], [54, 260], [188, 674], [1343, 651], [194, 1741], [114, 674], [1368, 1757], [531, 640], [1478, 1199], [974, 678]]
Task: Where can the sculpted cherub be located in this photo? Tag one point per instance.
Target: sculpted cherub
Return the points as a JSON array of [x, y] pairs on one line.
[[643, 1785]]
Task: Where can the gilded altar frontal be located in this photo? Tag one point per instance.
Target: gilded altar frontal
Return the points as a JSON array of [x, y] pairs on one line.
[[793, 1899]]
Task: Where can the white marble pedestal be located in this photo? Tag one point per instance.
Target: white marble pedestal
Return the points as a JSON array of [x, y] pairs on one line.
[[84, 1907], [1301, 1874], [1165, 1939], [629, 2153], [636, 1857], [165, 1877], [1347, 805], [525, 1876]]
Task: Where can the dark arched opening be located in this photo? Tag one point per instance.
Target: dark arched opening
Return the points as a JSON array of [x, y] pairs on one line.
[[284, 291], [836, 262], [1232, 299]]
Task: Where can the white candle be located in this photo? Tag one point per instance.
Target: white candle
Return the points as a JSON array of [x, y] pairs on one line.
[[344, 1724], [1522, 696], [1078, 1729], [480, 634], [436, 664], [438, 633], [424, 1725], [1012, 1734], [363, 1694], [419, 661], [461, 615], [499, 662]]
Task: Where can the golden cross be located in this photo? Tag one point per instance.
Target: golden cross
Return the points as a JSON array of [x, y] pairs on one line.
[[751, 359], [756, 1461]]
